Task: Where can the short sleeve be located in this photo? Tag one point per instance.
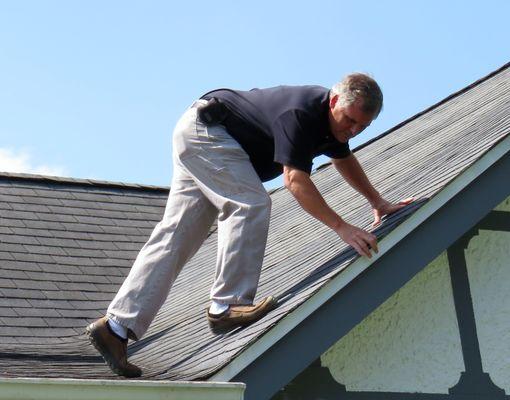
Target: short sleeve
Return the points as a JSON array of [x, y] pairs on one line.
[[293, 140], [338, 150]]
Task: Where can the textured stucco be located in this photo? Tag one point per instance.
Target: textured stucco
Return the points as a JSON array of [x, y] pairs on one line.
[[488, 264], [411, 342]]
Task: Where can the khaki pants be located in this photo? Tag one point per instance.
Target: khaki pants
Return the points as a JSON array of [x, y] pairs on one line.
[[213, 177]]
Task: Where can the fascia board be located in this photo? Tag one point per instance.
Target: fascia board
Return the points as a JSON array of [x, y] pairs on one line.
[[86, 389], [297, 316]]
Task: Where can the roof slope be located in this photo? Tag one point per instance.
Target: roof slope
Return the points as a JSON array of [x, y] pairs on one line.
[[66, 245]]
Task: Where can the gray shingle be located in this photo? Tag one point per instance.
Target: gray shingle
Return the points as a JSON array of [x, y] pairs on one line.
[[36, 312], [66, 323], [87, 228], [14, 302], [12, 248], [36, 208], [129, 246], [72, 261], [5, 230], [62, 218], [89, 314], [8, 222], [99, 296], [46, 276], [32, 284], [87, 278], [33, 258], [47, 225], [22, 293], [77, 286], [57, 242], [5, 256], [49, 250], [62, 295], [50, 333], [8, 199], [47, 303], [9, 312], [5, 206], [68, 211], [16, 191], [17, 266], [79, 252], [7, 283], [21, 215], [16, 331], [48, 201], [18, 239], [59, 268], [31, 322], [90, 304], [97, 245]]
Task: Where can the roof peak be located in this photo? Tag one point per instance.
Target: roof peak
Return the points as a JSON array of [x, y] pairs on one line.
[[435, 105], [78, 181]]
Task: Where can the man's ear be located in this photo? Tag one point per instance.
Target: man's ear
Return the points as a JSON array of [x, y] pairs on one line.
[[332, 101]]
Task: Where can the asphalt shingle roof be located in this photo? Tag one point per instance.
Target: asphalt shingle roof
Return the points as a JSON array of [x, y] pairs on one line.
[[65, 246]]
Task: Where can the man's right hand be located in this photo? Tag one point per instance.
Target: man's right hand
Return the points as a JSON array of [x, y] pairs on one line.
[[361, 240], [301, 186]]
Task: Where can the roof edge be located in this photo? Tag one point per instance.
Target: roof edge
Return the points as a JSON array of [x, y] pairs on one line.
[[426, 110], [80, 182], [85, 389], [293, 319]]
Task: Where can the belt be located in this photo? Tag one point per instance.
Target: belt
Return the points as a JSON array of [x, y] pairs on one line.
[[212, 112]]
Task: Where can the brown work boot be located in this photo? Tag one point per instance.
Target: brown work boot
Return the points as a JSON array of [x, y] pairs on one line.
[[240, 315], [112, 347]]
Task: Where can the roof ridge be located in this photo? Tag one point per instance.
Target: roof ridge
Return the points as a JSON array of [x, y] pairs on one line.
[[79, 181], [425, 111], [435, 105]]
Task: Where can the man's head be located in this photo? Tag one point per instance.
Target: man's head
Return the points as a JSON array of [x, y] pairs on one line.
[[353, 104]]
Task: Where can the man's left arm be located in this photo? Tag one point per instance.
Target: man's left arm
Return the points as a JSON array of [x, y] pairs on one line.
[[351, 170]]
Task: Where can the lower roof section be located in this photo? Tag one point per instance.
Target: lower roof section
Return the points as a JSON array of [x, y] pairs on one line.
[[85, 389]]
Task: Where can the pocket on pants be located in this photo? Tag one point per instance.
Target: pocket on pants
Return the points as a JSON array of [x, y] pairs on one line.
[[220, 176]]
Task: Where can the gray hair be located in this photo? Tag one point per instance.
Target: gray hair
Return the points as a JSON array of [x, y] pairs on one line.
[[361, 87]]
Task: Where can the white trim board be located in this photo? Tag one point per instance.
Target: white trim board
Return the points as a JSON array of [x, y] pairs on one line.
[[103, 389]]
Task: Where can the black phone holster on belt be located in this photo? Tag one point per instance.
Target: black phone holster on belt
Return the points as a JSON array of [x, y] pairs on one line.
[[214, 112]]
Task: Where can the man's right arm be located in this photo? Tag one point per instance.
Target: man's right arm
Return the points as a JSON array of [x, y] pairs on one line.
[[309, 198]]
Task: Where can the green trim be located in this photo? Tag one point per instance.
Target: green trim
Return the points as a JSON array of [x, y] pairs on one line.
[[86, 389]]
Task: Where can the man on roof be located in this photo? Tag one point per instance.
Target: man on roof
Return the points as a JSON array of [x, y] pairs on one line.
[[224, 146]]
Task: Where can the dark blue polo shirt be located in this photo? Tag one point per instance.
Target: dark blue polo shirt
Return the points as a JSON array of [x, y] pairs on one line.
[[284, 125]]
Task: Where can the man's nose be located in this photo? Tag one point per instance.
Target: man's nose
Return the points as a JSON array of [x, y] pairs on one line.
[[354, 130]]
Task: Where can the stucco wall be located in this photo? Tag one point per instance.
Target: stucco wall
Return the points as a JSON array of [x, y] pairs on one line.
[[411, 342]]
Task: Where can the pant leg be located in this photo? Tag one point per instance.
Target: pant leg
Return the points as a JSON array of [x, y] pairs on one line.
[[187, 219], [224, 173]]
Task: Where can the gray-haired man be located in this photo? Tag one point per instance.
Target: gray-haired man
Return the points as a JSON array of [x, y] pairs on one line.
[[224, 146]]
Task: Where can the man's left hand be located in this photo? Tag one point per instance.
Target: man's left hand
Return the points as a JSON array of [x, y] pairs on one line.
[[384, 207]]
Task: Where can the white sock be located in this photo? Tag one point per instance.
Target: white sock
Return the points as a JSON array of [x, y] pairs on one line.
[[118, 328], [217, 308]]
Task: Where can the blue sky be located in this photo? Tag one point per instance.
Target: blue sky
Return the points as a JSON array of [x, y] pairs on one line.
[[93, 89]]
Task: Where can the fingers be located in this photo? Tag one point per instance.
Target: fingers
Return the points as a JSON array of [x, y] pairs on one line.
[[401, 204], [373, 243], [364, 243], [360, 250], [406, 201]]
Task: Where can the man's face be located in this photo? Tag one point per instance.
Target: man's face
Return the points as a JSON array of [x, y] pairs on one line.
[[345, 122]]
